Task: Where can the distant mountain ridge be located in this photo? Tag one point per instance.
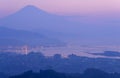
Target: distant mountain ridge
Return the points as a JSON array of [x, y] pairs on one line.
[[21, 37]]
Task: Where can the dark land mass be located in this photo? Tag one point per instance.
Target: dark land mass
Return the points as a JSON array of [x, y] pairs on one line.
[[11, 63], [89, 73]]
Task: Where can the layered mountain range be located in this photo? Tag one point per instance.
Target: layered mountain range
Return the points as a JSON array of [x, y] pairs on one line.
[[16, 37], [63, 27]]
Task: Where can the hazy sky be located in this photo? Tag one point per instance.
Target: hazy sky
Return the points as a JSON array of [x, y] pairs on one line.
[[74, 7]]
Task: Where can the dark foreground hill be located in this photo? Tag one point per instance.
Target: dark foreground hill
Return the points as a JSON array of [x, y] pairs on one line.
[[89, 73]]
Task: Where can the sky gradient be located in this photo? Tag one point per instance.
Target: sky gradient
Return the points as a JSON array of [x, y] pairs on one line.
[[65, 7]]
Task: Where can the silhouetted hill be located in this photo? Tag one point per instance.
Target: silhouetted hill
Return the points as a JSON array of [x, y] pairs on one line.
[[21, 37], [95, 73], [89, 73], [41, 74]]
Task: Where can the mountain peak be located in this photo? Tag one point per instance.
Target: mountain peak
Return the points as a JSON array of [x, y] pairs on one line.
[[31, 8]]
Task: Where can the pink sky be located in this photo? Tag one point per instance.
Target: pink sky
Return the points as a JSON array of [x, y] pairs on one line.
[[79, 7]]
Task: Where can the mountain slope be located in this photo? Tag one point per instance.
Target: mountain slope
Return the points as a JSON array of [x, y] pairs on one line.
[[21, 37], [32, 18], [84, 31]]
